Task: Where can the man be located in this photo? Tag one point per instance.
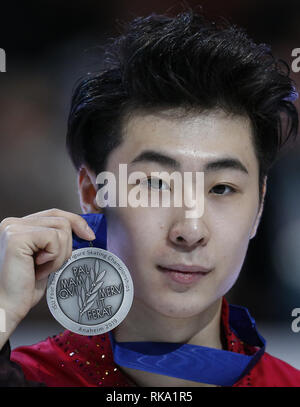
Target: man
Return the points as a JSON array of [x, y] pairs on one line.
[[178, 94]]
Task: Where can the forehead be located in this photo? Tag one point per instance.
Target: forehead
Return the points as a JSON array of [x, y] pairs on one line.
[[190, 138]]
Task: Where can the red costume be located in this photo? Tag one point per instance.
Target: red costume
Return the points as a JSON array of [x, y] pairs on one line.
[[68, 360]]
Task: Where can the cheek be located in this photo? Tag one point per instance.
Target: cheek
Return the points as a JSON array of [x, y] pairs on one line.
[[133, 233], [232, 235]]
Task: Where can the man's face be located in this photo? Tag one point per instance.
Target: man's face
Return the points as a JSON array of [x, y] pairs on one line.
[[149, 239]]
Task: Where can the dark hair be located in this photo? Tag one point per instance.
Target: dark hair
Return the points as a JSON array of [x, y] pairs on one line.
[[183, 61]]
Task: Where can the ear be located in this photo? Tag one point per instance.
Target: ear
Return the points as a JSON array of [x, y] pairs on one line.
[[87, 190], [258, 216]]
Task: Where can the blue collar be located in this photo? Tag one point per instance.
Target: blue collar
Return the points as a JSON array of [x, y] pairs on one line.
[[190, 362]]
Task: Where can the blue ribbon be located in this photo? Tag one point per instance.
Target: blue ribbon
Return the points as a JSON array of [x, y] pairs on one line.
[[97, 222], [190, 362]]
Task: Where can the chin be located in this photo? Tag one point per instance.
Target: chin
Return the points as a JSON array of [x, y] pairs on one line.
[[174, 309]]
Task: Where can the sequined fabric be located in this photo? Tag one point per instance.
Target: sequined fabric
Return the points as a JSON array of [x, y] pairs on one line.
[[71, 360]]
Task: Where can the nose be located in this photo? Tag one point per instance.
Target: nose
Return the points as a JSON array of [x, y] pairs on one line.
[[189, 233]]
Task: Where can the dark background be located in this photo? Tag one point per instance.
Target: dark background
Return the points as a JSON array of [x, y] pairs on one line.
[[48, 46]]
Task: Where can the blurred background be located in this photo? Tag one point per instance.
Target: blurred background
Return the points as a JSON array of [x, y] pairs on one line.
[[49, 45]]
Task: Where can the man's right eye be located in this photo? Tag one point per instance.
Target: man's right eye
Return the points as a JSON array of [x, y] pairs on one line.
[[156, 183]]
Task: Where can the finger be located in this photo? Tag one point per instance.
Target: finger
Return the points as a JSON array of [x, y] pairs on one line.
[[43, 256], [53, 256], [78, 224], [32, 239], [42, 243], [43, 270], [33, 220]]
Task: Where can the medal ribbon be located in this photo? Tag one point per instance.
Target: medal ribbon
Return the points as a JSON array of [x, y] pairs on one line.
[[190, 362]]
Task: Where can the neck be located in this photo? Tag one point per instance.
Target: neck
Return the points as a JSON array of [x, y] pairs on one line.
[[145, 324]]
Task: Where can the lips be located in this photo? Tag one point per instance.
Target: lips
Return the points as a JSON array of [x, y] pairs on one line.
[[185, 268], [184, 274]]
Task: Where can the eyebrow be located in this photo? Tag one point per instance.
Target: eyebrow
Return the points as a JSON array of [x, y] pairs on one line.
[[226, 163], [167, 161], [158, 158]]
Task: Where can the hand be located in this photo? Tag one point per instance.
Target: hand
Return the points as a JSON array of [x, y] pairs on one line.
[[31, 248]]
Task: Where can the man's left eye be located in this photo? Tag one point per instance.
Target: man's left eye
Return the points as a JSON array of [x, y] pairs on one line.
[[222, 189]]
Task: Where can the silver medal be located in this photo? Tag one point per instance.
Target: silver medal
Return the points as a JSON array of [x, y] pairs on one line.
[[91, 293]]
